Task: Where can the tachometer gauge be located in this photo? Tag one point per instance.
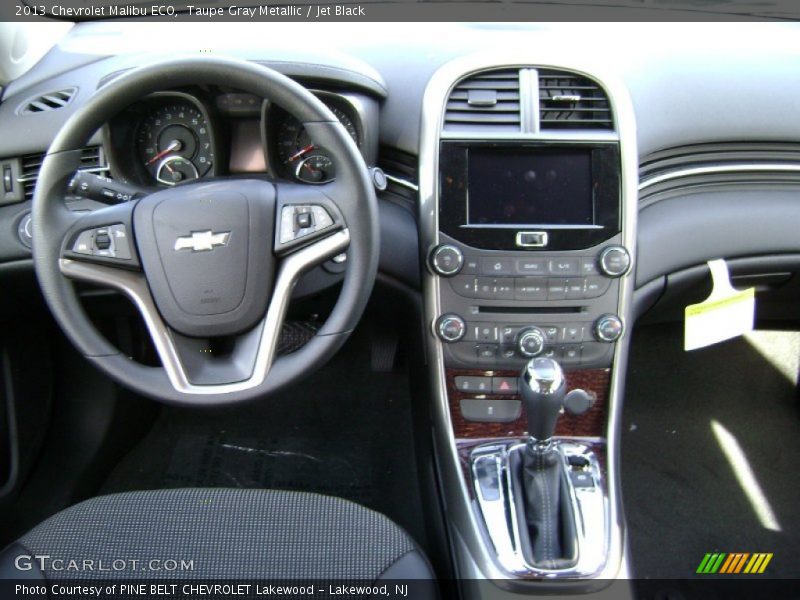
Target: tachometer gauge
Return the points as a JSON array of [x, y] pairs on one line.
[[300, 157], [174, 143]]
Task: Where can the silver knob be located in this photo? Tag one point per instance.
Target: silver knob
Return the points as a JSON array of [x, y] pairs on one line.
[[450, 328], [543, 376], [446, 260], [614, 261], [608, 328], [530, 341]]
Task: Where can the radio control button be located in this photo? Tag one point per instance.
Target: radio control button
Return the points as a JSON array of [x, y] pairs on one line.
[[504, 289], [575, 288], [446, 260], [531, 289], [485, 288], [596, 286], [556, 289], [589, 266], [614, 261], [564, 266], [471, 266], [463, 285], [497, 266], [532, 266]]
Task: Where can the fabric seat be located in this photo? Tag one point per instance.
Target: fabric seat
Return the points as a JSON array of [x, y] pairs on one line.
[[241, 534]]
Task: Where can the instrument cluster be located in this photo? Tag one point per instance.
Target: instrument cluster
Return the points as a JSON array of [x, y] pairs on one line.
[[173, 137]]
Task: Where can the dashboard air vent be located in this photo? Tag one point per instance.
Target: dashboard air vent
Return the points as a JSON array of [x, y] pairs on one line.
[[48, 102], [488, 100], [92, 159], [572, 101]]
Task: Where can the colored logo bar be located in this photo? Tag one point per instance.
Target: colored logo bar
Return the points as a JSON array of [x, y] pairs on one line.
[[734, 563]]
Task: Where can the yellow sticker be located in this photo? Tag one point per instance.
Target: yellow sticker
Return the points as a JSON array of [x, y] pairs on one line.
[[727, 313]]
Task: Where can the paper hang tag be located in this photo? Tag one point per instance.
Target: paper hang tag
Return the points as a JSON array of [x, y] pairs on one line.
[[725, 314]]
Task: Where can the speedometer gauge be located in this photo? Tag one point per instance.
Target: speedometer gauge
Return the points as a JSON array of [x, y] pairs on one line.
[[300, 157], [174, 143]]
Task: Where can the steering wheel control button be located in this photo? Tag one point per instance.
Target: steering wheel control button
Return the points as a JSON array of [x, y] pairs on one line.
[[530, 341], [614, 261], [299, 221], [446, 260], [104, 242], [608, 328], [451, 328]]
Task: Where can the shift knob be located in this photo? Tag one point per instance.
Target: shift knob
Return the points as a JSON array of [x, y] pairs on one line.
[[542, 386]]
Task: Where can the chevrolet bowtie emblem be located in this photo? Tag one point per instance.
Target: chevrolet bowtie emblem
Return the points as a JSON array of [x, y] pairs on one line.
[[202, 241]]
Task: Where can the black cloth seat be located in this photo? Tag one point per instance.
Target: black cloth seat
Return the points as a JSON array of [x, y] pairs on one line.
[[242, 534]]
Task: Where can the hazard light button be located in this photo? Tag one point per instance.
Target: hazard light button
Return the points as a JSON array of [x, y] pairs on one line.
[[504, 385]]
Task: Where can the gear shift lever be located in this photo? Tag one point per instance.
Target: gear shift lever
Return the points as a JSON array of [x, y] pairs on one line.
[[546, 507], [543, 387]]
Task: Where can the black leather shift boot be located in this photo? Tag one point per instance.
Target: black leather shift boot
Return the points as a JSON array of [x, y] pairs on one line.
[[544, 509]]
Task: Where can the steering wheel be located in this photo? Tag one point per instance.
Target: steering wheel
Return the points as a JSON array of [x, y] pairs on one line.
[[210, 265]]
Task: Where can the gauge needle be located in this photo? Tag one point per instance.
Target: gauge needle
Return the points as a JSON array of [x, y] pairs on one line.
[[174, 145], [300, 153]]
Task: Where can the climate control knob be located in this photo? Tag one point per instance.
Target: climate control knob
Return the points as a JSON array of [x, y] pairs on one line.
[[614, 261], [608, 328], [530, 341], [450, 328], [446, 260]]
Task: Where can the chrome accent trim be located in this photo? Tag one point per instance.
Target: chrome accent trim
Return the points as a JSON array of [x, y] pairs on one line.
[[719, 169], [402, 182], [548, 135], [529, 100], [543, 375], [134, 285], [473, 555], [590, 507], [544, 239]]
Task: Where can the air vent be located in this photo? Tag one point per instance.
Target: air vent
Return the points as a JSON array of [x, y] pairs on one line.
[[484, 101], [92, 159], [401, 173], [571, 101], [48, 102]]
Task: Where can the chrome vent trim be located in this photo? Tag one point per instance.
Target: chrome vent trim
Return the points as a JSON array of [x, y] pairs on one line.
[[675, 169], [93, 160], [572, 101], [489, 100], [47, 102]]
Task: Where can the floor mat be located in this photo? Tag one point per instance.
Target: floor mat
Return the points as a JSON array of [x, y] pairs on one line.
[[344, 431], [688, 418]]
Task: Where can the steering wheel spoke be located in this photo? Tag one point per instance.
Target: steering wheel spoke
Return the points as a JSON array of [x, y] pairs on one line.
[[102, 237]]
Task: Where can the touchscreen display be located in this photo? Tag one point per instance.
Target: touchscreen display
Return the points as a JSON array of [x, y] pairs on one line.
[[518, 187]]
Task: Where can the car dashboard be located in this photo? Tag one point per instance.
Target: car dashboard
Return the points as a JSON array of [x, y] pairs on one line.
[[652, 162]]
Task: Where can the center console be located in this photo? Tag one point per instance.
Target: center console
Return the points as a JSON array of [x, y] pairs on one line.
[[527, 223]]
